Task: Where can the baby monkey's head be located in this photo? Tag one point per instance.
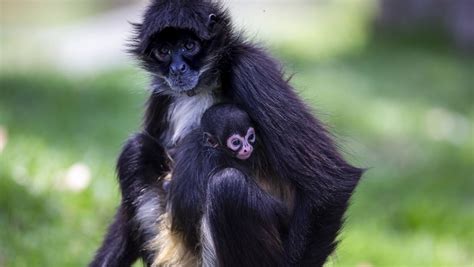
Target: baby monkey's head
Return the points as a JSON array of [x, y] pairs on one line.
[[228, 127]]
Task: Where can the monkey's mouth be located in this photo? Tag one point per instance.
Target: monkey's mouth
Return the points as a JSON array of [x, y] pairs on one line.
[[184, 84], [191, 92], [244, 156]]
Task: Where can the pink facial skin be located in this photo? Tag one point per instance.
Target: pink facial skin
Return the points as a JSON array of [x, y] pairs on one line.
[[243, 146], [245, 152]]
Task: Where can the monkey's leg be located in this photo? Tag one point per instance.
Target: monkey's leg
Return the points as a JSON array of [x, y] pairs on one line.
[[242, 225], [140, 164]]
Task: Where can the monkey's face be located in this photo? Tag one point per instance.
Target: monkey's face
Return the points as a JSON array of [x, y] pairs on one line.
[[242, 146], [179, 56], [230, 129]]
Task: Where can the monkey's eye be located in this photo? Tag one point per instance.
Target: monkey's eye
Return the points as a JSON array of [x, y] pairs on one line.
[[162, 53], [234, 142], [250, 135], [164, 50], [190, 45], [251, 138]]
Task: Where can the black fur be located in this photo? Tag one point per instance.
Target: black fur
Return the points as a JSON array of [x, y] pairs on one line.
[[294, 143], [139, 166], [248, 232], [119, 239], [210, 182], [256, 237], [298, 146]]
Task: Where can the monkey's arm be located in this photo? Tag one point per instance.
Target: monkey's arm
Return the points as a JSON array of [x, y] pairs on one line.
[[140, 164], [244, 223], [192, 164], [119, 247], [297, 145]]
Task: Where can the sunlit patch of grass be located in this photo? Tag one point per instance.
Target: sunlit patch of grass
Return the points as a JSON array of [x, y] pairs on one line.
[[54, 122], [375, 245]]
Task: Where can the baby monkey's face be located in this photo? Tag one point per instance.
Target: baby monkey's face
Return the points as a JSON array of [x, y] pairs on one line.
[[242, 146]]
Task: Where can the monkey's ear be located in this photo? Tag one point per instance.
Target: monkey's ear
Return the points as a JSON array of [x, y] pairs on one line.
[[210, 140], [212, 20]]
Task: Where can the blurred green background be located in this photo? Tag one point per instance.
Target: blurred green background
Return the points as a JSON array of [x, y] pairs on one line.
[[396, 86]]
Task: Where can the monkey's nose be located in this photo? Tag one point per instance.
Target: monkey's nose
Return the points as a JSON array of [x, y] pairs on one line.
[[178, 68]]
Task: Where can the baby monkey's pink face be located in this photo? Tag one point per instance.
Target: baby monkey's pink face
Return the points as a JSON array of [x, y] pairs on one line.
[[242, 146]]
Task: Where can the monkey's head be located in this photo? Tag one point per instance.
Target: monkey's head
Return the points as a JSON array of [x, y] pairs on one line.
[[229, 128], [180, 43]]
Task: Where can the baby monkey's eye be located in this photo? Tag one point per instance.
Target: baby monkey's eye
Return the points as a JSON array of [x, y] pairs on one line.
[[251, 138], [235, 142]]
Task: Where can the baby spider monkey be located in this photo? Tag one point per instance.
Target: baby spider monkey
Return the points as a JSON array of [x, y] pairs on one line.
[[228, 129], [216, 206]]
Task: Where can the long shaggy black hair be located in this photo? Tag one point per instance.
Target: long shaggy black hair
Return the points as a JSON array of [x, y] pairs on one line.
[[299, 150]]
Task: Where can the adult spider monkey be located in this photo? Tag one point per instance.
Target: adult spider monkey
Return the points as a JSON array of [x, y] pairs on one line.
[[197, 60]]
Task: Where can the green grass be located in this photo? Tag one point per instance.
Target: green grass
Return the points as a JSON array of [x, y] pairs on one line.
[[405, 112]]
